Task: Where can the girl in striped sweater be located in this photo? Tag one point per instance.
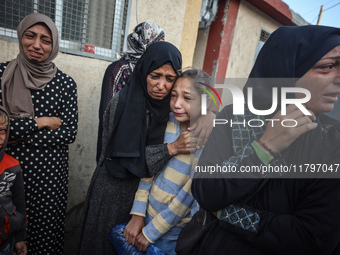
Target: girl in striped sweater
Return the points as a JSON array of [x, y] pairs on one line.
[[163, 203]]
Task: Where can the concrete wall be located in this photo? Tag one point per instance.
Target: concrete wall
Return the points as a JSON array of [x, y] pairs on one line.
[[201, 45], [88, 74], [178, 18], [249, 23], [168, 14], [189, 31]]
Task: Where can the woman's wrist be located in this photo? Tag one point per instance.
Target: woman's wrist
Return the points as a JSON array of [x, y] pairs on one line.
[[40, 122], [262, 154], [266, 147], [172, 149]]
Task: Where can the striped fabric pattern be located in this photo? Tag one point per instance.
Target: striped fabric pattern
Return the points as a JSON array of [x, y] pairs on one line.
[[165, 200]]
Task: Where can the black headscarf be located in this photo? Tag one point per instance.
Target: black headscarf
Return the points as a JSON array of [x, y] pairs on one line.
[[127, 142], [289, 53]]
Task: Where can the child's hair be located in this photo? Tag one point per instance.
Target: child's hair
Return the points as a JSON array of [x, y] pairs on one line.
[[199, 80], [3, 118]]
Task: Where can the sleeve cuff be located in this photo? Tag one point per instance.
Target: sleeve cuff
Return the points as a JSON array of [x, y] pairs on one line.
[[261, 153], [138, 214], [157, 156], [219, 212], [35, 125], [146, 236], [138, 208]]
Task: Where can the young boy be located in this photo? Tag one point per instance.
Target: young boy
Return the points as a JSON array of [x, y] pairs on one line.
[[12, 198], [164, 203]]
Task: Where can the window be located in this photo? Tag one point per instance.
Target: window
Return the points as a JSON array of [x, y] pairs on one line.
[[263, 38], [94, 28]]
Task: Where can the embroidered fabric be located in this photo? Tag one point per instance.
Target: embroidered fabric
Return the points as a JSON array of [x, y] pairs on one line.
[[241, 217]]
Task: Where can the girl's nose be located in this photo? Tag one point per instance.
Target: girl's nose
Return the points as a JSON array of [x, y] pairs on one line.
[[177, 104]]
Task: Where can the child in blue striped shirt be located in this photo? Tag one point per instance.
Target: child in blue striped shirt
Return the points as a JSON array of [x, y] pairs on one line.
[[163, 203]]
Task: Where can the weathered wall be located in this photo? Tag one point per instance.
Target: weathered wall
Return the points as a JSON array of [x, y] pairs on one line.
[[88, 74], [178, 18], [249, 23], [190, 30], [201, 45], [168, 15]]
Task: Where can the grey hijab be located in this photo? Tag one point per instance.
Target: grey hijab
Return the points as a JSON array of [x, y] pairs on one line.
[[21, 75]]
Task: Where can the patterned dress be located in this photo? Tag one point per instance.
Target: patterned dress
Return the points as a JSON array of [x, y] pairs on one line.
[[43, 155]]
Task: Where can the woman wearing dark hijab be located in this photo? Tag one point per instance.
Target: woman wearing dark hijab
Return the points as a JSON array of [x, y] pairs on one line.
[[278, 215], [42, 103], [117, 73], [134, 127]]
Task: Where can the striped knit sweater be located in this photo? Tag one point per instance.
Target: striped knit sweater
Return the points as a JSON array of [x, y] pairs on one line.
[[165, 200]]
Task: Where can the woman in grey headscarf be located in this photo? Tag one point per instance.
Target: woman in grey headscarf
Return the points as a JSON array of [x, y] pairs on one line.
[[42, 104]]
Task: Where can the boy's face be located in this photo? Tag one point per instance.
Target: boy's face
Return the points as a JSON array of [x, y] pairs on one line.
[[3, 134]]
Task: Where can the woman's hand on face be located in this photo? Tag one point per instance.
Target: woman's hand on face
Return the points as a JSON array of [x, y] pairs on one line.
[[133, 229], [184, 144], [277, 137], [142, 242], [51, 123], [202, 128]]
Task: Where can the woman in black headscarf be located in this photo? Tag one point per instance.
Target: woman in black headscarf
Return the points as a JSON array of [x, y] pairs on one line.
[[134, 127], [279, 215], [117, 73]]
